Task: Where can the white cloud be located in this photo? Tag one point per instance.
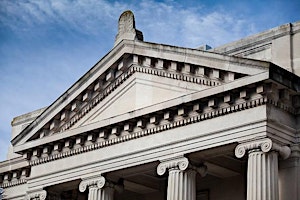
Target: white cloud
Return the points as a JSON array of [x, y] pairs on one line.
[[163, 22], [189, 26]]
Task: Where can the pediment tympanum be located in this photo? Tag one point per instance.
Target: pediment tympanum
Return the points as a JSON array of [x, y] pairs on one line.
[[139, 91], [150, 73]]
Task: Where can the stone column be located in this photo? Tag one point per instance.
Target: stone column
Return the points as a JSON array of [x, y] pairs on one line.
[[262, 172], [181, 179], [99, 189], [36, 195]]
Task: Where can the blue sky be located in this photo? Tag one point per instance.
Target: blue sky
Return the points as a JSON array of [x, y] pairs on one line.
[[47, 45]]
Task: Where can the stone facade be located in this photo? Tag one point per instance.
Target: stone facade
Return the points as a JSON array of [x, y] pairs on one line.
[[152, 121]]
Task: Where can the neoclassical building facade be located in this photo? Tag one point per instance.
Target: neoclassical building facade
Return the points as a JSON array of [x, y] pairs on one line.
[[154, 121]]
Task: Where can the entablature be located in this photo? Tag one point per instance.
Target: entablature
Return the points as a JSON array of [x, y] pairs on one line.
[[224, 99], [230, 91], [14, 172]]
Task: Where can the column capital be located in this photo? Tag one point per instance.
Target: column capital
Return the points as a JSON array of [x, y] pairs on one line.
[[40, 195], [180, 163], [98, 182], [265, 145]]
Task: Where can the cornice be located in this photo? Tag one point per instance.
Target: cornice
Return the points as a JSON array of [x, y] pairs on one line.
[[12, 177], [206, 94], [198, 57], [13, 183], [254, 49], [157, 129], [260, 39], [13, 164]]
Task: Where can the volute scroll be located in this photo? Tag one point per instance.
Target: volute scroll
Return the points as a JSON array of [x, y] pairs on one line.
[[265, 145], [98, 182]]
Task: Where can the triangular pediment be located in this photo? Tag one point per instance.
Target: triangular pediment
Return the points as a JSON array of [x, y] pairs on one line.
[[133, 75], [139, 91]]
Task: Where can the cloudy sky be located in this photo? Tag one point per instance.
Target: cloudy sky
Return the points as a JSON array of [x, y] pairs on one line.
[[47, 45]]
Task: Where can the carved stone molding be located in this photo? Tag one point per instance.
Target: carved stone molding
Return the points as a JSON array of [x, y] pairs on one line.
[[265, 145], [13, 183], [37, 195], [181, 178], [95, 182], [180, 163], [201, 116]]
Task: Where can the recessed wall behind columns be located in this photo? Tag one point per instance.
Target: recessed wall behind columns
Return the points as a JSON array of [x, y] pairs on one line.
[[231, 188], [289, 177]]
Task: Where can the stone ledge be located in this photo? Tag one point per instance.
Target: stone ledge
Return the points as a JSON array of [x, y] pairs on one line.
[[13, 183]]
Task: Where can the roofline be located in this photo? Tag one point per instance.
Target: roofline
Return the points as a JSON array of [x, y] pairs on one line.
[[260, 38]]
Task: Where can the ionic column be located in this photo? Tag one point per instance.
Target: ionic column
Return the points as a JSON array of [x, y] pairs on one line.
[[181, 179], [36, 195], [262, 172], [107, 193], [99, 189]]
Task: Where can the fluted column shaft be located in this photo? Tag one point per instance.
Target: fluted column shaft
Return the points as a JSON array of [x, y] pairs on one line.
[[262, 175], [181, 179], [106, 193], [93, 192], [99, 189], [181, 185], [262, 172]]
